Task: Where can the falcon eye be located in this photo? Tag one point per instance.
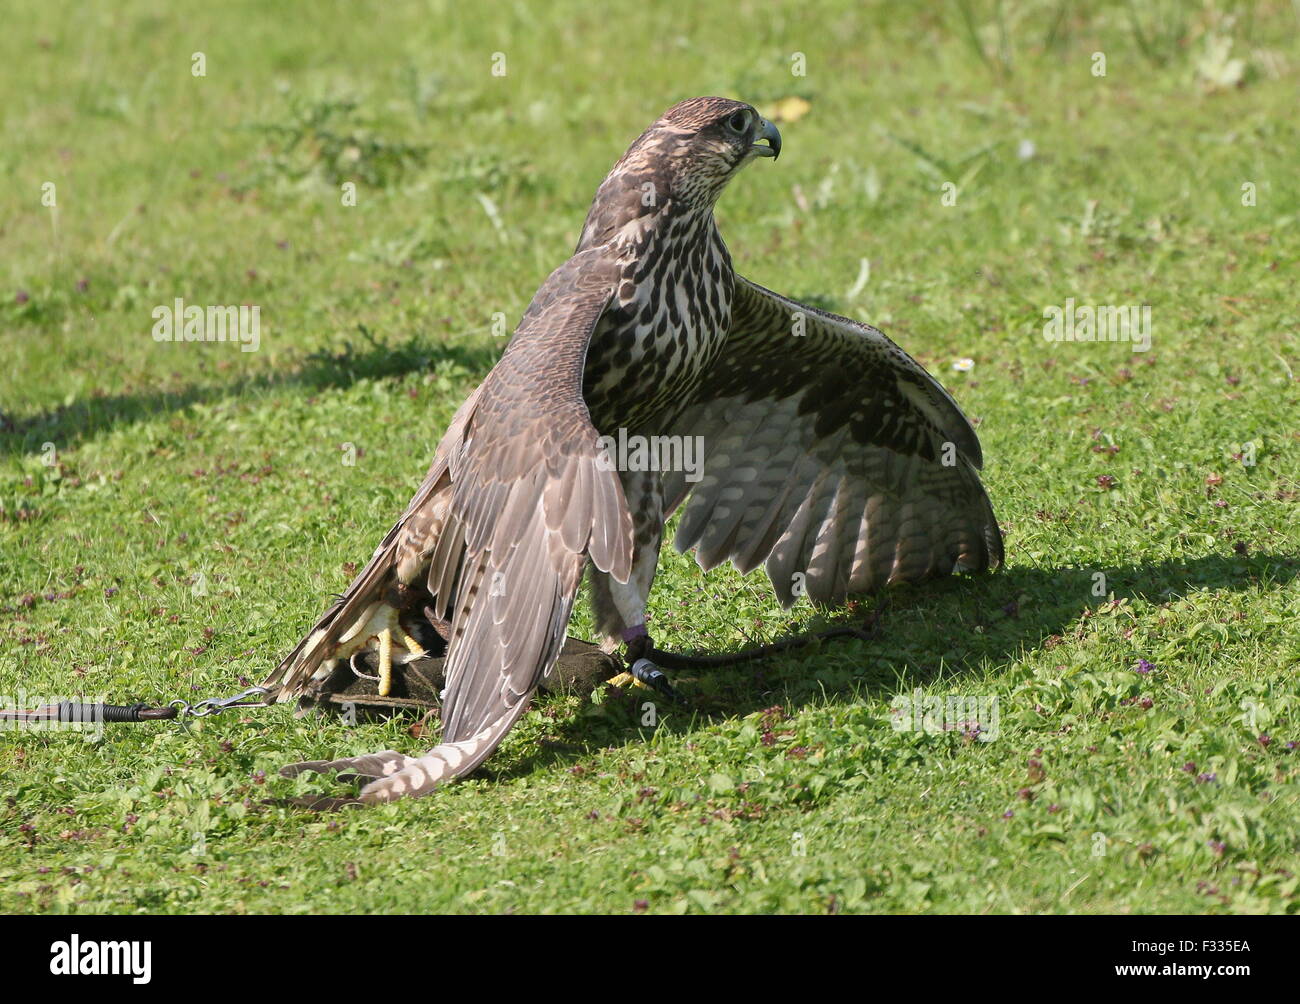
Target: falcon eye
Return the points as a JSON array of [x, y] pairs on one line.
[[739, 122]]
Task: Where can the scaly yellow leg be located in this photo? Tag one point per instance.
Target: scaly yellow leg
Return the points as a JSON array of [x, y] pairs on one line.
[[385, 662], [379, 624], [410, 644]]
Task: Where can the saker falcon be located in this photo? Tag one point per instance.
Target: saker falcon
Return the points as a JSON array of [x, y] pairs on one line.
[[830, 455]]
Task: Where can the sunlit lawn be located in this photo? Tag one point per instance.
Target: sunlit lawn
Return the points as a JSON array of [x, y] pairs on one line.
[[174, 515]]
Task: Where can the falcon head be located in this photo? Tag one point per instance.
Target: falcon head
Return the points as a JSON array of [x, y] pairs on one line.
[[701, 143], [683, 161]]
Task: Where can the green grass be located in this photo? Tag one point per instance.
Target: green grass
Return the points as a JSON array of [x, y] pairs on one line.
[[193, 513]]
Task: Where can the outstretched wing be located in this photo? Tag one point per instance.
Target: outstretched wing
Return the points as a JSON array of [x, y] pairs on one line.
[[516, 502], [832, 455]]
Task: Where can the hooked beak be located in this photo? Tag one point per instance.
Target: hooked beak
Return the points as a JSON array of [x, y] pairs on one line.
[[768, 132]]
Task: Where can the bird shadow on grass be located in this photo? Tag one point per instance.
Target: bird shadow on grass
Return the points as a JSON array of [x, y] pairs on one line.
[[941, 630], [84, 419]]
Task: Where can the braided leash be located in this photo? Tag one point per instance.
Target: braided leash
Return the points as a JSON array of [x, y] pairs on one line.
[[79, 712]]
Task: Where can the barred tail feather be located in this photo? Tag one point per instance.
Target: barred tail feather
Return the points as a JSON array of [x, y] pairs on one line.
[[421, 775]]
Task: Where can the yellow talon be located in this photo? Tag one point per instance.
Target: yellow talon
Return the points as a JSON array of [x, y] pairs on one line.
[[385, 662], [413, 647], [379, 624], [410, 644]]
